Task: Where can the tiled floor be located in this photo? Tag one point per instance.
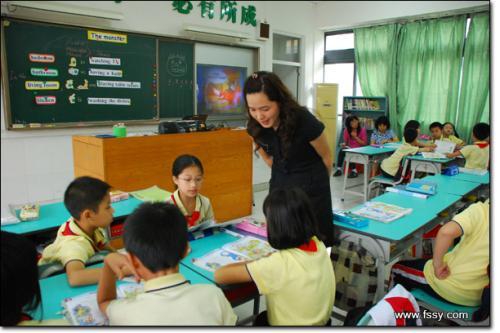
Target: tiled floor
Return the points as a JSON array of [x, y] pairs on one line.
[[245, 310]]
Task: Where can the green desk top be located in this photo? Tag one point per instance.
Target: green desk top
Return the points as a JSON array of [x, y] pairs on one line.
[[469, 177], [369, 150], [54, 289], [430, 160], [452, 185], [54, 214], [424, 211]]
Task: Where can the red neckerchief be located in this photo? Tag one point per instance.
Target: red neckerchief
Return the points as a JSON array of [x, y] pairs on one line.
[[68, 232], [482, 144], [309, 247], [191, 220]]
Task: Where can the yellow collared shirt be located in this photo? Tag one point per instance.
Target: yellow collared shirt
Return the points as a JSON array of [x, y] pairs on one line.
[[73, 244], [468, 261], [203, 210], [476, 157], [391, 164], [172, 300], [299, 285]]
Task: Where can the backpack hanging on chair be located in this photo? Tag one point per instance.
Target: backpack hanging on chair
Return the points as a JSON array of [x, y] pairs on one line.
[[355, 274]]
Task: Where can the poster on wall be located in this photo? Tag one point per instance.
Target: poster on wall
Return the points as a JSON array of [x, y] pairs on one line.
[[220, 89]]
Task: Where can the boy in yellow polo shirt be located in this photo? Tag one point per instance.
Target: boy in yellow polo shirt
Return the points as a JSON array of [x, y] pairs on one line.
[[458, 276], [87, 199], [156, 240], [390, 166], [477, 155], [436, 129]]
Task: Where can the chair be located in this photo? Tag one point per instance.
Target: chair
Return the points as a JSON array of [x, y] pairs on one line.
[[431, 303], [55, 268], [379, 180]]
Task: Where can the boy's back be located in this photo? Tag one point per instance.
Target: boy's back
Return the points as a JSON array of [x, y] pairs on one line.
[[172, 300], [391, 164], [477, 156]]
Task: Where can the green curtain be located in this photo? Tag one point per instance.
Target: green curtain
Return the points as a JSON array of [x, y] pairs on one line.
[[428, 70], [375, 50], [474, 103]]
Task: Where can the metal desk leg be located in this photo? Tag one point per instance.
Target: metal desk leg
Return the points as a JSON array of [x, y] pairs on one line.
[[347, 161], [256, 305], [367, 173]]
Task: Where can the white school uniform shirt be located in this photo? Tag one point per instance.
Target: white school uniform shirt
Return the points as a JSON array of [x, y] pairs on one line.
[[171, 300]]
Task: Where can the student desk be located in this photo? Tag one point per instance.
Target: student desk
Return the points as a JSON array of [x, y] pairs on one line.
[[53, 215], [236, 294], [428, 165], [364, 155], [470, 177], [55, 289], [448, 184], [389, 240]]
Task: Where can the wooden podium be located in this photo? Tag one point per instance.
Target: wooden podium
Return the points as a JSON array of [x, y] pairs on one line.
[[135, 163]]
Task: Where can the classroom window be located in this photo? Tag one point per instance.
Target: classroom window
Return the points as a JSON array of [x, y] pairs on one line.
[[339, 64]]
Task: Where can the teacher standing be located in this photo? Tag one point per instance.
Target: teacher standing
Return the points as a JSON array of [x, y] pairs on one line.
[[293, 144]]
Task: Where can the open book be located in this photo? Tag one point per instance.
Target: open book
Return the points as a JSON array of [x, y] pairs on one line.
[[244, 249], [210, 224], [444, 147], [253, 226], [432, 155], [380, 211], [83, 310], [480, 172]]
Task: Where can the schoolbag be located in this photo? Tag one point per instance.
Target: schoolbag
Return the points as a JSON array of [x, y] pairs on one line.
[[355, 275]]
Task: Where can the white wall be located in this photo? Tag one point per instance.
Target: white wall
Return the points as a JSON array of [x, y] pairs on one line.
[[38, 165]]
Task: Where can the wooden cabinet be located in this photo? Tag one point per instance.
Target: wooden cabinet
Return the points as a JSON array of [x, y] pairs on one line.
[[134, 163]]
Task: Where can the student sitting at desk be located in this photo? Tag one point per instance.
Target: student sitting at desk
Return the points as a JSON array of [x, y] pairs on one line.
[[354, 137], [298, 280], [383, 133], [156, 240], [87, 200], [416, 126], [460, 275], [450, 134], [436, 129], [20, 288], [391, 166], [477, 155], [187, 174]]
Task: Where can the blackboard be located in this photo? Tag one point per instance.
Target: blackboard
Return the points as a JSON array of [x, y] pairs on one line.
[[176, 67], [91, 75]]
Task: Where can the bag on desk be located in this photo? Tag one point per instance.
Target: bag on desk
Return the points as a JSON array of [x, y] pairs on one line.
[[355, 274]]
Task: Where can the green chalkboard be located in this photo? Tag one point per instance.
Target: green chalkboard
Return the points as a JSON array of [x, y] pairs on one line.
[[92, 75], [176, 89]]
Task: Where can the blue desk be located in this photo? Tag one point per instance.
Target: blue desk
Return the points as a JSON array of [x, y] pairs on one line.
[[451, 185], [389, 240], [428, 165], [54, 214], [364, 155], [55, 289], [469, 177]]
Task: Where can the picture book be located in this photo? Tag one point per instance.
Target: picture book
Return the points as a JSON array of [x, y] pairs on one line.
[[480, 172], [444, 147], [244, 249], [250, 247], [216, 259], [380, 211], [253, 226], [83, 310], [422, 186]]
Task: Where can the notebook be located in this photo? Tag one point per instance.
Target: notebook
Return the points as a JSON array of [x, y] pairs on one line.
[[253, 226], [244, 249], [432, 155], [380, 211], [422, 186], [152, 194], [444, 147]]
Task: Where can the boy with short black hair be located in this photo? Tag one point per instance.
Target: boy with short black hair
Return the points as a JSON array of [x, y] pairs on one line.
[[477, 155], [87, 199], [156, 240], [436, 129], [390, 166]]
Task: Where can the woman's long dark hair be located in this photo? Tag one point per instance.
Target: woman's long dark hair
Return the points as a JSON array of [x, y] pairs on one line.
[[454, 129], [348, 125], [271, 85]]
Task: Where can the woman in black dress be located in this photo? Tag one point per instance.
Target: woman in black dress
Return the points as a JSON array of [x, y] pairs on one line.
[[292, 142]]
